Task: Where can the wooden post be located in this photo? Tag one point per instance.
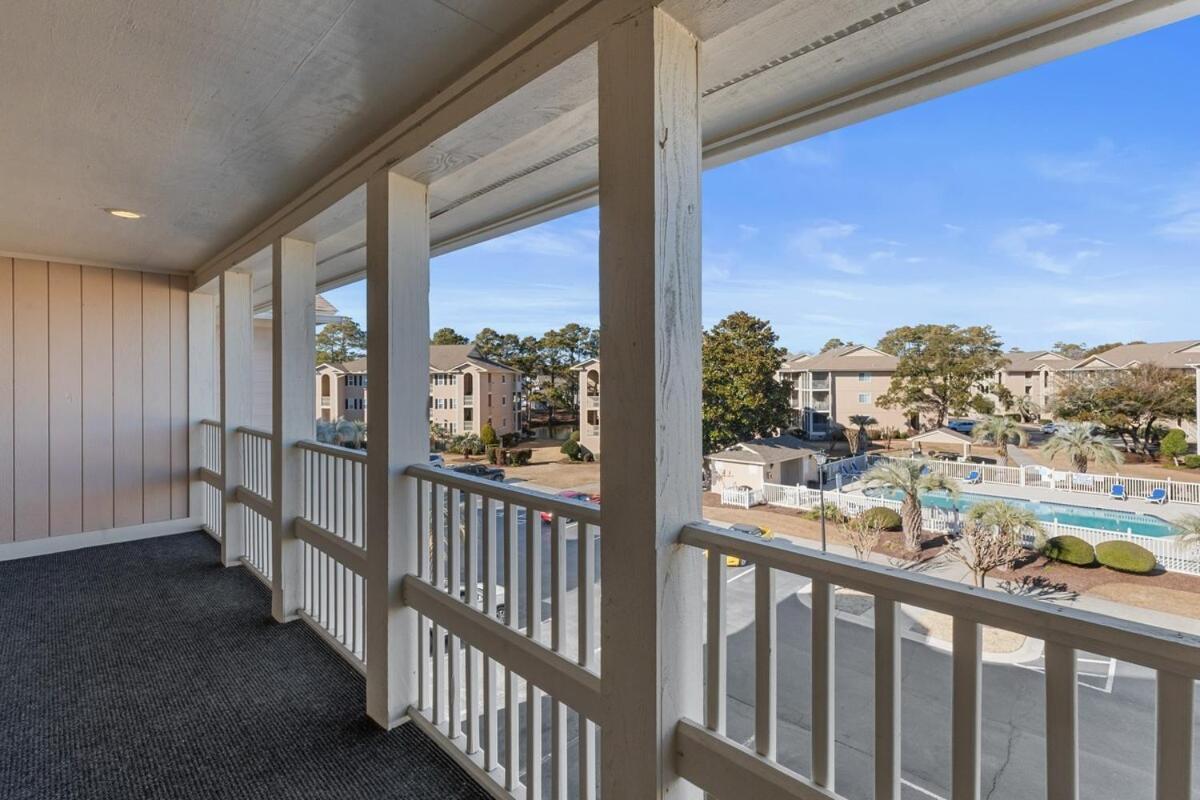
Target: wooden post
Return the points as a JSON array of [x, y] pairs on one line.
[[293, 313], [237, 401], [202, 386], [398, 344], [650, 314]]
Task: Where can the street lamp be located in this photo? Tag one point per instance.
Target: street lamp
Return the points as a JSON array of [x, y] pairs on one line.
[[820, 459]]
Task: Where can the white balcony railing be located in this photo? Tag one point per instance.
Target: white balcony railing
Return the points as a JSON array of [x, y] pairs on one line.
[[468, 401], [726, 768], [593, 401], [478, 661], [255, 496], [333, 532], [212, 502]]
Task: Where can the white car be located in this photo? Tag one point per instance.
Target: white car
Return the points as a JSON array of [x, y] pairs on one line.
[[1050, 427], [436, 460]]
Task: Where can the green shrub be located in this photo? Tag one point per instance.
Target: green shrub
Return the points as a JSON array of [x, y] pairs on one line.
[[1126, 557], [1174, 444], [571, 449], [519, 458], [832, 513], [1070, 550], [1191, 462], [882, 518], [493, 454], [487, 434]]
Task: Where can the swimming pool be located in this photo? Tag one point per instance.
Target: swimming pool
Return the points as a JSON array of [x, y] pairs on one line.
[[1098, 518]]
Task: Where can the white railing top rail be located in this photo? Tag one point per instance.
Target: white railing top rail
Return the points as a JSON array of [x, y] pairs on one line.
[[333, 450], [214, 423], [246, 429], [1156, 648], [578, 510]]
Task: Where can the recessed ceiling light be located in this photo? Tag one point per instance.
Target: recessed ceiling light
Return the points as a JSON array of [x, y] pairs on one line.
[[124, 213]]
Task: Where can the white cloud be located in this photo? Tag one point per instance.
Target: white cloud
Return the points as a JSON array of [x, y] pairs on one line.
[[953, 230], [1089, 166], [812, 154], [747, 231], [814, 244], [1036, 245], [1185, 226], [543, 242]]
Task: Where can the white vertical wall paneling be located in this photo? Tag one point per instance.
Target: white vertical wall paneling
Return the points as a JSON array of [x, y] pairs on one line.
[[64, 398], [127, 398], [7, 417], [98, 375], [649, 157], [31, 418], [202, 382], [178, 431], [156, 396]]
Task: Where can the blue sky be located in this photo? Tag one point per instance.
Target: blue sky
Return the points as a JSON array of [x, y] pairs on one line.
[[1060, 203]]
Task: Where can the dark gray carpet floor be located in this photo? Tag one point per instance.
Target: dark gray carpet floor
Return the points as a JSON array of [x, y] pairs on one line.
[[145, 670]]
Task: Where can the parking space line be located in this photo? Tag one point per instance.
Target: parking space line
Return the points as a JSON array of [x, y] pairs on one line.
[[921, 789], [741, 574]]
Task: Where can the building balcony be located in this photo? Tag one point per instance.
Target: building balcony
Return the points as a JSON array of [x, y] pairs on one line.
[[593, 401], [468, 400], [820, 405], [325, 401], [820, 386]]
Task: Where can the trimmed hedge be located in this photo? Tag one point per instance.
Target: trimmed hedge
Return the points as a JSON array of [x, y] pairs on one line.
[[1070, 550], [883, 518], [1126, 557]]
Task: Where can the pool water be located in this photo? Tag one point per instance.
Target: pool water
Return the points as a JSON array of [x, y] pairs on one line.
[[1099, 518]]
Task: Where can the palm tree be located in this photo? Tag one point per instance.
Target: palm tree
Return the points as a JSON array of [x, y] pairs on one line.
[[1027, 408], [992, 537], [862, 421], [1000, 431], [1187, 529], [1080, 444], [912, 478], [1010, 519]]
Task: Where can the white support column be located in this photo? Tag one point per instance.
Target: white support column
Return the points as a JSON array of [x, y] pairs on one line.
[[650, 317], [398, 347], [237, 401], [294, 317], [202, 385]]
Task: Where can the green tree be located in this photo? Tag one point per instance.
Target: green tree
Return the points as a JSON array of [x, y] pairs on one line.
[[741, 398], [487, 435], [912, 478], [1026, 408], [1080, 445], [1001, 432], [1129, 402], [1100, 348], [340, 341], [862, 421], [1174, 444], [558, 351], [448, 336], [833, 344], [1071, 349], [939, 367]]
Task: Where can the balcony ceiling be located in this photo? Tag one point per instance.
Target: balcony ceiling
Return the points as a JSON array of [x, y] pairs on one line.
[[212, 116]]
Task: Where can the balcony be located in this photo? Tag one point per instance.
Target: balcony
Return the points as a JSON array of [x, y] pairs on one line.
[[325, 401], [820, 385], [593, 401], [468, 400], [820, 405]]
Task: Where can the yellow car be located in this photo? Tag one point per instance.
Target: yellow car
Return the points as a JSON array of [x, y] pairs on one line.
[[753, 530]]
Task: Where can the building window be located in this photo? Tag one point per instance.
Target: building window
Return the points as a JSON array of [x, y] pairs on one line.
[[864, 397], [863, 377], [347, 402], [504, 402]]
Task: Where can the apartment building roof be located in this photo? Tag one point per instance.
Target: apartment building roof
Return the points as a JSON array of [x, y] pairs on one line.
[[1177, 355], [1032, 360], [765, 450], [442, 358], [851, 358]]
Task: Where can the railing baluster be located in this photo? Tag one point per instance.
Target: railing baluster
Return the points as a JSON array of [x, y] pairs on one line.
[[558, 635], [533, 629], [764, 661], [822, 684], [439, 582], [491, 739], [1062, 716], [423, 544], [471, 588], [586, 591], [511, 704], [454, 578], [887, 699], [967, 701], [1173, 737], [715, 684]]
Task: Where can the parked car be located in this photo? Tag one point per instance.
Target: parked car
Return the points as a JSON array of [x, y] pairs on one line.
[[436, 460], [753, 530], [961, 425], [501, 611], [480, 471], [1050, 427], [566, 494]]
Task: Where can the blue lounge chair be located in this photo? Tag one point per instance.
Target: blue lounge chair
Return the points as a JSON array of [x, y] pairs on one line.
[[1157, 496], [1118, 492], [973, 477]]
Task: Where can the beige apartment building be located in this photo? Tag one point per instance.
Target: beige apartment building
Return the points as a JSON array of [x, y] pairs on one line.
[[1033, 374], [833, 386], [466, 391], [589, 404]]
